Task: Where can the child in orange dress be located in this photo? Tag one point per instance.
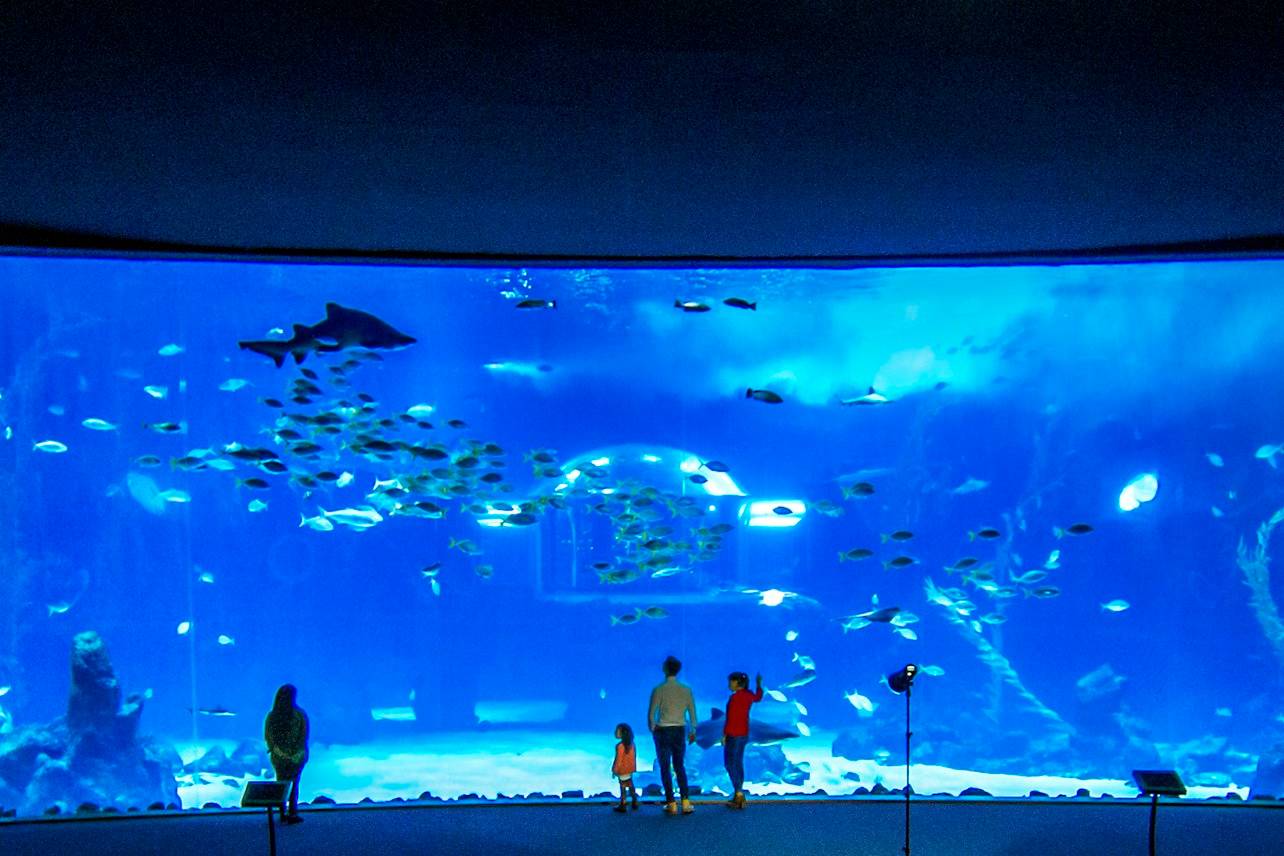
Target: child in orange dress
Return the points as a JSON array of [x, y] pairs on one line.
[[625, 765]]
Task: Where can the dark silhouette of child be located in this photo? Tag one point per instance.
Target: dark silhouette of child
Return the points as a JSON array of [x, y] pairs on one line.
[[286, 733]]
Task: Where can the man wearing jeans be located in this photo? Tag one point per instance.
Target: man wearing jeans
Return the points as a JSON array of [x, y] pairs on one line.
[[666, 716]]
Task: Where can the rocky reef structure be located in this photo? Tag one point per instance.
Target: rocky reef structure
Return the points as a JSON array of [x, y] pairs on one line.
[[92, 755], [1255, 563]]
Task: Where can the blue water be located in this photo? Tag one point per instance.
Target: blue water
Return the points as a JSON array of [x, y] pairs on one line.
[[1054, 386]]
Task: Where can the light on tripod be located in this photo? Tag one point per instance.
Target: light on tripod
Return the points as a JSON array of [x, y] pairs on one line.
[[901, 681]]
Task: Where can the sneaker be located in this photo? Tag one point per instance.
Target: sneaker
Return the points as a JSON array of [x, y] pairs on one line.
[[620, 809], [291, 819], [739, 799], [687, 807], [635, 804], [670, 807]]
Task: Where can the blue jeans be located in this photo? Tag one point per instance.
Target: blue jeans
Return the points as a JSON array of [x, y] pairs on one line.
[[671, 748], [733, 755]]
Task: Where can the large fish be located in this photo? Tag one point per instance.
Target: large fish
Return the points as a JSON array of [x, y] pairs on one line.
[[342, 328], [760, 733]]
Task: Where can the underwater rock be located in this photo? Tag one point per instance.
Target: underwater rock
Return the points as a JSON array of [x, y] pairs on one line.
[[322, 799], [878, 790], [1036, 794], [87, 808], [763, 764], [92, 754], [1268, 780], [572, 795], [975, 792], [246, 757]]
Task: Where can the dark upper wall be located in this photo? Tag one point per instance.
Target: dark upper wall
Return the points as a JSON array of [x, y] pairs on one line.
[[722, 128]]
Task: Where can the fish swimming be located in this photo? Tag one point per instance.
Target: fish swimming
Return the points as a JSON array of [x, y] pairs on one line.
[[864, 705], [764, 395], [761, 733], [740, 303], [870, 398], [341, 329], [801, 679], [972, 485]]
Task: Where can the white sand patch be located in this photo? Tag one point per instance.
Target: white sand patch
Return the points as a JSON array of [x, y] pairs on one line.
[[523, 762]]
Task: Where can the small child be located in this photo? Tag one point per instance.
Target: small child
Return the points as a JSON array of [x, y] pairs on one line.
[[735, 732], [625, 765]]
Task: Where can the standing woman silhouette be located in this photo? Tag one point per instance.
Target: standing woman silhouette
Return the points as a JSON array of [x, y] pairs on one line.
[[286, 732]]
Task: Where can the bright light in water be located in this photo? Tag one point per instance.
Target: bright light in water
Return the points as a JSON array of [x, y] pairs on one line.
[[495, 516], [763, 513], [771, 597], [572, 476], [713, 508], [690, 465], [1142, 488], [600, 462], [607, 491], [651, 459]]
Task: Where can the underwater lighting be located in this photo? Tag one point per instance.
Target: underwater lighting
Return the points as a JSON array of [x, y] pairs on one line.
[[1142, 488], [495, 516], [771, 597], [600, 462], [689, 464], [774, 513], [651, 459]]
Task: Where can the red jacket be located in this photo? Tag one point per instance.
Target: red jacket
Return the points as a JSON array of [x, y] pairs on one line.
[[738, 712]]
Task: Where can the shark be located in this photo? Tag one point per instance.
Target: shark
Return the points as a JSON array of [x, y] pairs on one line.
[[760, 733], [341, 328]]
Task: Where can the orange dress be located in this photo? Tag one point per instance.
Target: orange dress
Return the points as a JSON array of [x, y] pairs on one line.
[[626, 762]]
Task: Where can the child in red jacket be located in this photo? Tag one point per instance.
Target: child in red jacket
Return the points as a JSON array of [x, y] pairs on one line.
[[625, 765], [735, 732]]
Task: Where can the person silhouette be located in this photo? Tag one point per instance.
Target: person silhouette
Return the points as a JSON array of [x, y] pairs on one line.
[[671, 704], [286, 731]]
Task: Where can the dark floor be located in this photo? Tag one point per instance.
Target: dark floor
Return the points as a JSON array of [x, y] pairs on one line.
[[786, 828]]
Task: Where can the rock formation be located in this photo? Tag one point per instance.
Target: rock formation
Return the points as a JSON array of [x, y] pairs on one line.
[[91, 755]]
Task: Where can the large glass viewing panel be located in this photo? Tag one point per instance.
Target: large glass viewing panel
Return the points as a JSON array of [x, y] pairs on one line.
[[472, 510]]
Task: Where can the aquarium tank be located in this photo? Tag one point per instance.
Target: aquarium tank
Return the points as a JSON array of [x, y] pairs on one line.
[[468, 511]]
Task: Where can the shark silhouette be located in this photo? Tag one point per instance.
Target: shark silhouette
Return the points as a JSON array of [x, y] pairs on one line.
[[760, 733], [342, 328]]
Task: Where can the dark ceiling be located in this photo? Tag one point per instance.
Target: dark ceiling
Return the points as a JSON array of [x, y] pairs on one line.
[[740, 129]]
